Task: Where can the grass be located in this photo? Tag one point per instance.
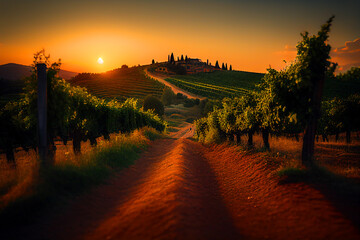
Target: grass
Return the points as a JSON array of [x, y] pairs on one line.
[[25, 190], [285, 153], [218, 84]]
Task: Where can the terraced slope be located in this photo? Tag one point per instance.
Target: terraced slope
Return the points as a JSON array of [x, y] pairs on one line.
[[218, 84], [119, 83]]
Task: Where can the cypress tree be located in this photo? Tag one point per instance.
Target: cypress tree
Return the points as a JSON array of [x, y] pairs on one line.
[[226, 67], [217, 64], [172, 58], [230, 69], [223, 66], [153, 61], [182, 57]]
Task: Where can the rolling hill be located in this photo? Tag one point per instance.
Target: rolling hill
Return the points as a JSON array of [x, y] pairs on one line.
[[13, 71], [217, 84], [119, 83], [12, 80]]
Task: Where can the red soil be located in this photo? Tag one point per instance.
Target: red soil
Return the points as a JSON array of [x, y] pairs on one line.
[[180, 189]]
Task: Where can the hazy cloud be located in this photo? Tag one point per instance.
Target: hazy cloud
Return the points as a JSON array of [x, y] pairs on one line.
[[347, 56]]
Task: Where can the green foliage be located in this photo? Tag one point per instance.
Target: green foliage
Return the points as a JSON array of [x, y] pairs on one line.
[[343, 85], [351, 75], [153, 103], [72, 113], [284, 100], [168, 96]]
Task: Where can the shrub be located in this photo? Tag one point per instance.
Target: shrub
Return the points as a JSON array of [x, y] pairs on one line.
[[151, 102], [189, 103], [168, 96]]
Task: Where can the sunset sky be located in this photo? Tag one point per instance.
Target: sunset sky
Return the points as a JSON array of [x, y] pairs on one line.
[[250, 35]]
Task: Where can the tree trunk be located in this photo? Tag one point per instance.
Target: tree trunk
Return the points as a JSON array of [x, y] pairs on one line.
[[265, 136], [317, 80], [231, 138], [10, 157], [93, 141], [77, 142], [308, 143], [238, 139], [51, 152], [348, 136], [325, 138], [250, 139]]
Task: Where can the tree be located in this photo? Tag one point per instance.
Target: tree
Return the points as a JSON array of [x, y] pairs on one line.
[[153, 61], [172, 58], [182, 57], [186, 58], [153, 103], [313, 57], [230, 69], [124, 66], [352, 74], [223, 66], [226, 68], [217, 64], [168, 96], [207, 62], [299, 87]]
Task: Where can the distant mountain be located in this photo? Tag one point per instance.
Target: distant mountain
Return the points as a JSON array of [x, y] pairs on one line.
[[13, 71]]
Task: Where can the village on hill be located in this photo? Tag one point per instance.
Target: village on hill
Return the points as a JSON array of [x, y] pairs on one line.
[[186, 65]]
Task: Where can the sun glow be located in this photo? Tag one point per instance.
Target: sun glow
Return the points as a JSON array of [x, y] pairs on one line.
[[100, 61]]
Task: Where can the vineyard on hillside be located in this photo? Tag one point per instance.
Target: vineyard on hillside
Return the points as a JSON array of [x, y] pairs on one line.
[[72, 113], [289, 102], [218, 84], [120, 83]]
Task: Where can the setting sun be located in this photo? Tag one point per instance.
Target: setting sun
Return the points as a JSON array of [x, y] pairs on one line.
[[100, 61]]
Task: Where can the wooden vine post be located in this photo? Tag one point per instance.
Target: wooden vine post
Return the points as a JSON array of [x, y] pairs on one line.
[[42, 112]]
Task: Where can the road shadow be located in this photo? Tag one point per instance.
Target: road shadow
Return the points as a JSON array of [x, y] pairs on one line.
[[342, 192]]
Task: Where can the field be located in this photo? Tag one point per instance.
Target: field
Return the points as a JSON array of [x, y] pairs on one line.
[[218, 84], [183, 188], [178, 186], [119, 83]]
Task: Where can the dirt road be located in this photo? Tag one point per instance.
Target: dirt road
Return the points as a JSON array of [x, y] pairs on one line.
[[181, 189], [175, 89]]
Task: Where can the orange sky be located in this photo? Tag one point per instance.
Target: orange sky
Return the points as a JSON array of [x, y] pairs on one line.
[[250, 36]]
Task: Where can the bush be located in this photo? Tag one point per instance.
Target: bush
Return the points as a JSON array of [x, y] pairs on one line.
[[180, 96], [189, 103], [168, 96], [151, 102], [177, 69]]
